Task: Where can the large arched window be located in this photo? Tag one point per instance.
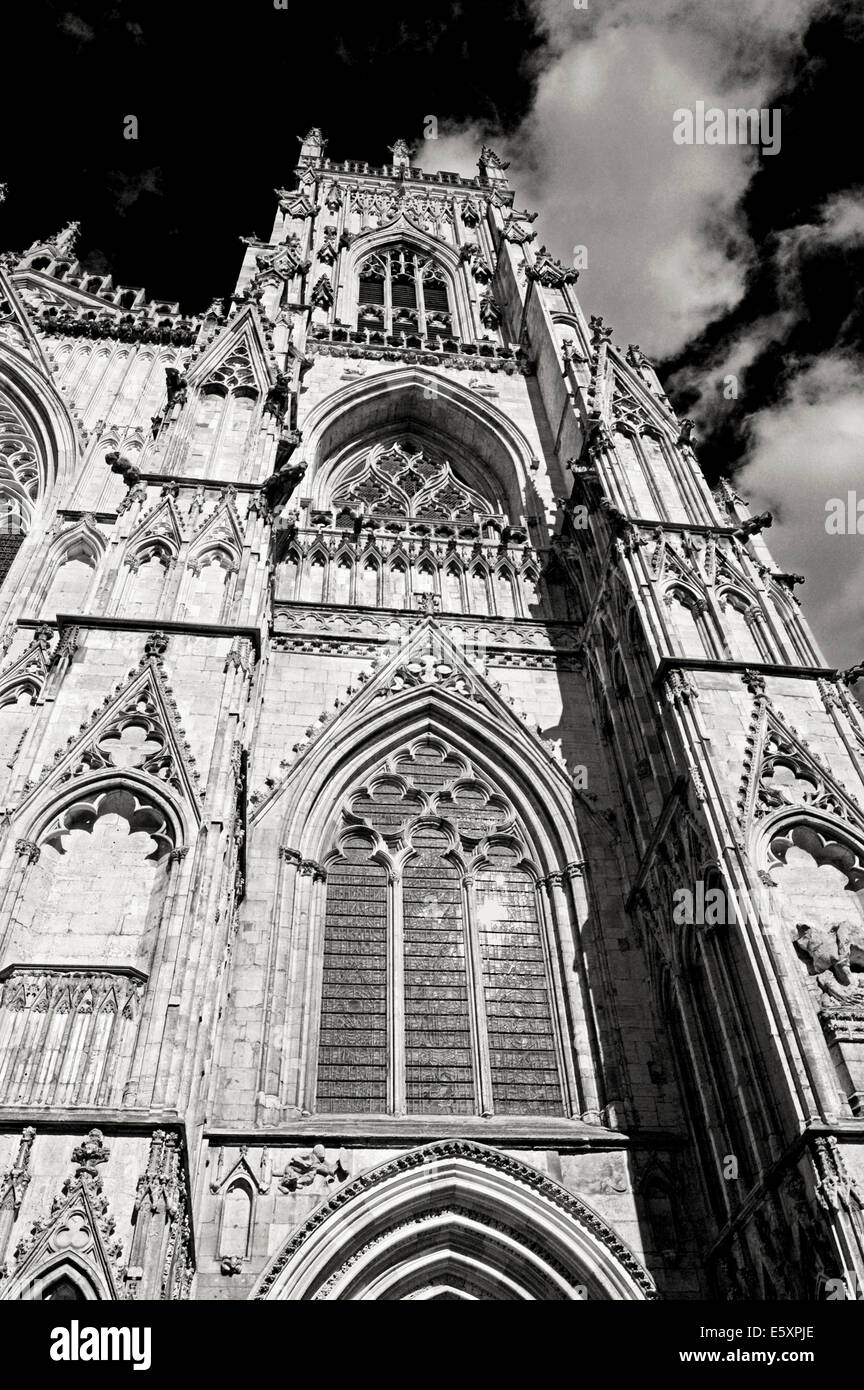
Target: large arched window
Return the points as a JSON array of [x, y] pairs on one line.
[[436, 987], [403, 291], [19, 484]]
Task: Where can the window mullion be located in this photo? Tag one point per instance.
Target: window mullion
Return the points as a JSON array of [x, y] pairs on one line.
[[396, 1090], [421, 302], [476, 1001], [388, 297]]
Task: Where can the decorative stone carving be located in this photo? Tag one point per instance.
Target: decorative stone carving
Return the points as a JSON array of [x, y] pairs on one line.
[[835, 955], [79, 1223], [490, 312], [280, 486], [13, 1185], [308, 1165], [156, 645], [91, 1152], [836, 1190], [322, 294], [550, 273], [176, 387], [278, 397]]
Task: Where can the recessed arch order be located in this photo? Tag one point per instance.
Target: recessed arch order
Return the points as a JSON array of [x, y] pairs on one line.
[[433, 405], [454, 1215], [356, 745]]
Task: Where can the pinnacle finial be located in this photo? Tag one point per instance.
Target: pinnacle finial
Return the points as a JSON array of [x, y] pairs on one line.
[[312, 144], [66, 240], [401, 152], [492, 167]]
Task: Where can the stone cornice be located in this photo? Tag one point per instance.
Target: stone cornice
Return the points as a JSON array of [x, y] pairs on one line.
[[216, 630], [778, 669], [511, 1131]]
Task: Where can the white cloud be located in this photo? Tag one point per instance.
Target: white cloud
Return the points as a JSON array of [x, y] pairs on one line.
[[807, 450], [595, 155]]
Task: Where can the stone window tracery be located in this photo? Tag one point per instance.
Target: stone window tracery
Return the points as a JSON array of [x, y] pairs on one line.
[[436, 994], [403, 291], [393, 482], [19, 472]]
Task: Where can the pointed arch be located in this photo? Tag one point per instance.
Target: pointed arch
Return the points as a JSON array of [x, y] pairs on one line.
[[13, 689], [37, 402], [227, 384], [242, 334], [220, 531], [404, 232], [456, 1213], [426, 403], [367, 734], [483, 734], [83, 545], [73, 1272], [237, 1217], [159, 527]]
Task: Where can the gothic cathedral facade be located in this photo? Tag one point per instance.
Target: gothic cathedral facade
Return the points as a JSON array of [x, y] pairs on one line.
[[431, 841]]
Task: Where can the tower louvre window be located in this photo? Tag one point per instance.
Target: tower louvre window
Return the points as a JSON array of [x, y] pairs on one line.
[[371, 290], [435, 297], [404, 295], [401, 290]]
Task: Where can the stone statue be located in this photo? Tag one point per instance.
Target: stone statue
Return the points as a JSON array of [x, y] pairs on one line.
[[313, 1163], [278, 396], [835, 954]]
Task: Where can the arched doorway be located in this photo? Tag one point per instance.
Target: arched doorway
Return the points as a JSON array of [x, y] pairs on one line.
[[454, 1220]]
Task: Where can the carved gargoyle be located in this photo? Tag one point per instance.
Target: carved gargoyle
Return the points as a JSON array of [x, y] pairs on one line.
[[753, 525], [289, 440], [175, 384], [278, 396], [835, 956], [310, 1164], [280, 485], [128, 472]]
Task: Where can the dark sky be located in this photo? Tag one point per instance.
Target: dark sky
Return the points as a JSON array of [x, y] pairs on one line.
[[221, 92]]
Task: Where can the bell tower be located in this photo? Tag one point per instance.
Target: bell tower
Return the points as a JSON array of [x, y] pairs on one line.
[[431, 840]]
